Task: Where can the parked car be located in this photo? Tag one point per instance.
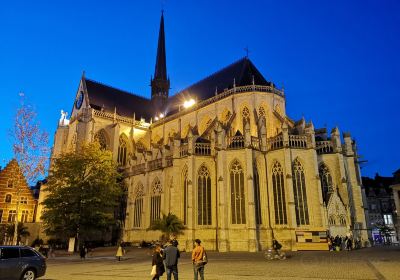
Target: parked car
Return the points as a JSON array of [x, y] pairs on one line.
[[21, 262]]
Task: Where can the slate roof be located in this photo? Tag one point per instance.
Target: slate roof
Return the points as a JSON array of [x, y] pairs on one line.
[[108, 98], [242, 71]]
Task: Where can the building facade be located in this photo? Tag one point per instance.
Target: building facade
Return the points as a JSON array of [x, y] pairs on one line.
[[224, 156]]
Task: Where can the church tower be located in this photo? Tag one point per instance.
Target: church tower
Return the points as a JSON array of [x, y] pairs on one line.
[[160, 83]]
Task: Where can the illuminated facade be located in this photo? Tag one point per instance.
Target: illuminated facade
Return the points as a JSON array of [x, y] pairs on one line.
[[223, 156]]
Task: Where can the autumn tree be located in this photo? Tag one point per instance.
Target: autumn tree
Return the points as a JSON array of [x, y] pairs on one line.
[[30, 147], [83, 190]]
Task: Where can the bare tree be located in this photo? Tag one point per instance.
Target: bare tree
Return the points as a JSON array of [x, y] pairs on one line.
[[30, 147]]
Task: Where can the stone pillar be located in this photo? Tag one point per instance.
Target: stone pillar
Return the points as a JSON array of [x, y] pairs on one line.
[[251, 209], [335, 136], [114, 140], [222, 204]]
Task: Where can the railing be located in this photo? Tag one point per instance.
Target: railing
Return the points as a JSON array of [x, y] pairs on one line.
[[222, 95], [298, 141], [324, 147], [183, 150], [255, 143], [202, 149], [275, 143], [168, 160], [119, 118], [236, 142], [138, 169], [155, 164]]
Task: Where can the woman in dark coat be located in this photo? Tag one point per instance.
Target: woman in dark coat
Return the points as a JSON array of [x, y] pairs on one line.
[[158, 262]]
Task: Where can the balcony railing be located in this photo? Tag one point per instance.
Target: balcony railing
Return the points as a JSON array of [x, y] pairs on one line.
[[138, 169], [324, 147], [298, 141], [255, 143], [236, 142], [183, 150], [168, 160], [155, 164], [275, 143], [202, 149]]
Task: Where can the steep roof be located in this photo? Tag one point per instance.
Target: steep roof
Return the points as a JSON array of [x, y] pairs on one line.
[[242, 72], [161, 61], [109, 98]]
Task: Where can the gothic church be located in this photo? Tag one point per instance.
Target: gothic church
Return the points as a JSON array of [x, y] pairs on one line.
[[224, 156]]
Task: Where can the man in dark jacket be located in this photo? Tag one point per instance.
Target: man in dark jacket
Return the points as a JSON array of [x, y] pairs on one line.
[[171, 255]]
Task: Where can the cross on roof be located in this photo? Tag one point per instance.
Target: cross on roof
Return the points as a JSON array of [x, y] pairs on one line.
[[246, 49]]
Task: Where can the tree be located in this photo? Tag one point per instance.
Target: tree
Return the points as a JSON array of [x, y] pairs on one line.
[[29, 147], [22, 231], [83, 190], [169, 225]]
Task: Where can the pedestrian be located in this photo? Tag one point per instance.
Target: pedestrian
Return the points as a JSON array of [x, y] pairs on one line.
[[171, 256], [82, 252], [157, 264], [198, 256], [120, 252]]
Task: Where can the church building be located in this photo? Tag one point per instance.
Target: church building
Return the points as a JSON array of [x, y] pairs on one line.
[[224, 156]]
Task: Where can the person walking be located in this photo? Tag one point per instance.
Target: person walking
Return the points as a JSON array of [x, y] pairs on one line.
[[120, 252], [171, 255], [157, 263], [197, 259], [82, 252]]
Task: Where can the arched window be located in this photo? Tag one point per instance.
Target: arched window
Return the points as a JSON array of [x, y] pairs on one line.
[[122, 148], [300, 194], [101, 138], [261, 112], [332, 220], [279, 194], [138, 206], [8, 198], [238, 210], [257, 200], [326, 182], [245, 114], [11, 215], [203, 196], [185, 193], [24, 216], [342, 220], [155, 203], [10, 183]]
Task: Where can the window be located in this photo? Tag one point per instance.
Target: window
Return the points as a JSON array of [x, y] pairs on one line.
[[11, 216], [332, 220], [326, 182], [388, 219], [138, 206], [24, 200], [24, 216], [8, 198], [26, 253], [238, 212], [300, 194], [101, 138], [279, 194], [10, 184], [185, 194], [155, 203], [342, 220], [122, 148], [203, 196], [261, 112], [9, 253], [257, 200]]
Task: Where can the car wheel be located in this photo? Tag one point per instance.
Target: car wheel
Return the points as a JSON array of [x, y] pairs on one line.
[[28, 274]]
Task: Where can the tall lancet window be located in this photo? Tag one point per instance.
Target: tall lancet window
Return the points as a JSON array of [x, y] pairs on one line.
[[155, 201], [279, 194], [326, 182], [101, 138], [300, 194], [185, 194], [257, 199], [122, 150], [204, 196], [138, 206], [238, 211]]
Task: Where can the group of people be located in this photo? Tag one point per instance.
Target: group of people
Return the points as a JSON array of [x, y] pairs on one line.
[[166, 260], [339, 243]]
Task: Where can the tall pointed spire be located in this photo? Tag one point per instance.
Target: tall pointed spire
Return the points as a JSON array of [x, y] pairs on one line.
[[160, 83]]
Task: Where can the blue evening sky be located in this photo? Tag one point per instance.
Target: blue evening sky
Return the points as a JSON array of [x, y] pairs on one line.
[[338, 60]]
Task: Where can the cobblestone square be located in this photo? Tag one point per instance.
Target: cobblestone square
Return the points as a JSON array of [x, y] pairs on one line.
[[370, 263]]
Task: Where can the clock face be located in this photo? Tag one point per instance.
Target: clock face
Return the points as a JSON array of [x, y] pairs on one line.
[[79, 100]]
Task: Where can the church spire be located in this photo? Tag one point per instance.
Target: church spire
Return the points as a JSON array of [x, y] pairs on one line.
[[160, 83]]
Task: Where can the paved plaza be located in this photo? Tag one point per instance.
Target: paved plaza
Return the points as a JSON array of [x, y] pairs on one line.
[[370, 263]]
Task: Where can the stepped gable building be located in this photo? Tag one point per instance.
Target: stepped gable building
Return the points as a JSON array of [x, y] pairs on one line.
[[14, 188], [224, 156]]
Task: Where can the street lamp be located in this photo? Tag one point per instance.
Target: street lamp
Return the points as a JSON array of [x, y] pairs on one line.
[[189, 103]]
